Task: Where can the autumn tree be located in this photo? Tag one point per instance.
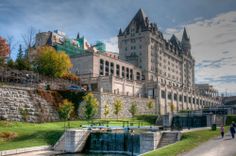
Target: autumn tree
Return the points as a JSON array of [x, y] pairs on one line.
[[117, 107], [106, 110], [4, 49], [52, 63], [91, 106], [65, 110], [133, 109]]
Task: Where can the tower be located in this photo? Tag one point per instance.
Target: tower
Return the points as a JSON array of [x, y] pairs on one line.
[[135, 45], [186, 43]]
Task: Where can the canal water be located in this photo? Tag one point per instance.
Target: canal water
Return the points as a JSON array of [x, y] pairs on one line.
[[92, 154]]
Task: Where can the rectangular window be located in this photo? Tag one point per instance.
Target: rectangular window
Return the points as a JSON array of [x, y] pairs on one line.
[[101, 67], [185, 98], [169, 96], [137, 76], [180, 98], [175, 97], [112, 68], [118, 70], [127, 73], [163, 94], [123, 72]]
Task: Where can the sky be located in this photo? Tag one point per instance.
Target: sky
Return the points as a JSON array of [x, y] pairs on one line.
[[211, 25]]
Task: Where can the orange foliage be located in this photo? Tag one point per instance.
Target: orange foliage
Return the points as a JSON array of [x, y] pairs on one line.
[[8, 135], [4, 48], [70, 76]]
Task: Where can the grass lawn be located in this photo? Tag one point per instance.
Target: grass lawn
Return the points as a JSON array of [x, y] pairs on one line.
[[30, 134], [189, 141]]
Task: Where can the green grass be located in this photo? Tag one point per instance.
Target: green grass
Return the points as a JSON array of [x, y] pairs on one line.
[[30, 134], [189, 141]]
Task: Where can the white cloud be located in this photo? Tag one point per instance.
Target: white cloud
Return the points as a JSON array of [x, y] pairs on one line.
[[210, 39], [112, 44]]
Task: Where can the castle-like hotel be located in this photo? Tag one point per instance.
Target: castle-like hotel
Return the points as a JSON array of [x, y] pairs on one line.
[[147, 66]]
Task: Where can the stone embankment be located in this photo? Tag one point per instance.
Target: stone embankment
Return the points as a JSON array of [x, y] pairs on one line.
[[24, 104]]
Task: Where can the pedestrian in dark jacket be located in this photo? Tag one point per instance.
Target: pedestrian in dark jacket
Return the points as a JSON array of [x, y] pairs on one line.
[[234, 125], [232, 130], [222, 131]]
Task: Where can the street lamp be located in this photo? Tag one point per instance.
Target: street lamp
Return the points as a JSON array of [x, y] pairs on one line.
[[132, 141], [188, 118]]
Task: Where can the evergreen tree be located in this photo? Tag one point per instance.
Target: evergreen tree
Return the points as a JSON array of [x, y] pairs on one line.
[[22, 62]]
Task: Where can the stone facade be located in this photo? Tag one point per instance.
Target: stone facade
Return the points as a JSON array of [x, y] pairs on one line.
[[109, 98], [15, 99]]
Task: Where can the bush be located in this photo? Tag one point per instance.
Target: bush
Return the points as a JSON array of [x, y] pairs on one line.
[[8, 135], [148, 118], [230, 119]]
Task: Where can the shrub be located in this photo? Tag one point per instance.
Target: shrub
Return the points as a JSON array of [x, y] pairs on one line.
[[8, 135], [230, 119], [148, 118], [24, 113]]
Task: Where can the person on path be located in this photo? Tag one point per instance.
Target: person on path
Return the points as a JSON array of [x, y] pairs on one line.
[[222, 131], [234, 125], [232, 130]]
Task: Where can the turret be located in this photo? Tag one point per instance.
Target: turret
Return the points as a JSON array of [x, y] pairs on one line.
[[186, 43], [120, 32]]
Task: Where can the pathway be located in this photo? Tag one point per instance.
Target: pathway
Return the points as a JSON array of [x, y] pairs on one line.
[[215, 147]]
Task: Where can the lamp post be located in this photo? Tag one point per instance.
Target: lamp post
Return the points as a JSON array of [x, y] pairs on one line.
[[132, 141], [188, 118]]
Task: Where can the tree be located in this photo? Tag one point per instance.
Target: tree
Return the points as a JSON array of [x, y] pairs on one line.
[[52, 63], [117, 107], [91, 106], [150, 105], [65, 110], [4, 48], [10, 63], [22, 62], [172, 107], [106, 110], [133, 109], [29, 39]]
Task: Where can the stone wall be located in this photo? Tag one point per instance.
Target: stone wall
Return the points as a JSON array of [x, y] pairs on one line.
[[15, 99], [108, 98]]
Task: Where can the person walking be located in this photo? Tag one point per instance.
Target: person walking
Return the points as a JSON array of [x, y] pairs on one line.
[[222, 131], [232, 130]]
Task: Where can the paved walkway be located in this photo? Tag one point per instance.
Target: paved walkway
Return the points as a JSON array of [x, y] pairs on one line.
[[216, 147], [39, 153]]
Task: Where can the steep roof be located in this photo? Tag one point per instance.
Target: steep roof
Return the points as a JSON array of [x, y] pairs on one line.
[[175, 41], [139, 19], [185, 36]]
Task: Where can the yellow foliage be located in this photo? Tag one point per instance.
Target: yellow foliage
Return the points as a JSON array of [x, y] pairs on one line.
[[52, 63]]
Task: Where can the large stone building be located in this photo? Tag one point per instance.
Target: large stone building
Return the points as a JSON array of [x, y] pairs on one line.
[[147, 66]]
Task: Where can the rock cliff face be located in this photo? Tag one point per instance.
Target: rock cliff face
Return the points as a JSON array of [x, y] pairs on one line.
[[24, 104]]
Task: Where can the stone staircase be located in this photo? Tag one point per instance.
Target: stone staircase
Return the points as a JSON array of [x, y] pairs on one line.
[[168, 138]]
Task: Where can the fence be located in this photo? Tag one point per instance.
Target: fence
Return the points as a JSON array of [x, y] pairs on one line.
[[31, 79]]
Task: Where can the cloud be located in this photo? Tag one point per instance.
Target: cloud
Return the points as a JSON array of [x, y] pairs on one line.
[[112, 44], [213, 47]]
